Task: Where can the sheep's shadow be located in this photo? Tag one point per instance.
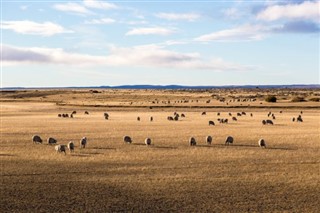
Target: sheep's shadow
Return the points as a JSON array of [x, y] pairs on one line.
[[7, 155]]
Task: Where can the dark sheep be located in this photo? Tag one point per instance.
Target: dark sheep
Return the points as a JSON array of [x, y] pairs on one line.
[[229, 140], [127, 139], [211, 123], [36, 139], [192, 141]]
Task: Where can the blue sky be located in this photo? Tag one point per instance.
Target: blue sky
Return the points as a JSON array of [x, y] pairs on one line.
[[93, 43]]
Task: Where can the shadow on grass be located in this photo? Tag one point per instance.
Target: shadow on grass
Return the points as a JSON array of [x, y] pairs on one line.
[[7, 155], [106, 148]]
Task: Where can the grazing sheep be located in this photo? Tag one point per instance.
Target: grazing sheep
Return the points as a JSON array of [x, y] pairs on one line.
[[86, 113], [218, 114], [36, 139], [251, 115], [51, 141], [229, 140], [67, 115], [211, 123], [59, 115], [243, 113], [74, 112], [301, 112], [203, 113], [239, 114], [151, 118], [138, 118], [293, 119], [234, 119], [71, 146], [269, 122], [225, 120], [147, 141], [71, 115], [192, 141], [170, 118], [183, 115], [83, 142], [106, 116], [176, 118], [274, 117], [230, 114], [262, 143], [299, 119], [280, 111], [209, 140], [127, 139], [264, 122], [60, 148]]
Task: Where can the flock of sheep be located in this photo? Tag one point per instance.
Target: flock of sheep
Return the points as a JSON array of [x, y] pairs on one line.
[[192, 141], [60, 147]]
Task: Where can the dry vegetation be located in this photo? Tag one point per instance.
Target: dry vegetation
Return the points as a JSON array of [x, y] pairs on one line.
[[168, 176]]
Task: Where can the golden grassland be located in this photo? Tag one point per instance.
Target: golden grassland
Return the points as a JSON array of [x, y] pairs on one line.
[[168, 176]]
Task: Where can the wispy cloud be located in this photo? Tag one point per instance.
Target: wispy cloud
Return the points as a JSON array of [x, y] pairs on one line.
[[152, 56], [34, 28], [151, 31], [73, 8], [99, 4], [179, 16], [101, 21], [308, 10], [242, 33], [297, 27]]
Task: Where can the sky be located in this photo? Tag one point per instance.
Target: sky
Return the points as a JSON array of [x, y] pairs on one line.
[[93, 43]]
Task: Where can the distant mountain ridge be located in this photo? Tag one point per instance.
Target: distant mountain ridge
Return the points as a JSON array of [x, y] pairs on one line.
[[292, 86]]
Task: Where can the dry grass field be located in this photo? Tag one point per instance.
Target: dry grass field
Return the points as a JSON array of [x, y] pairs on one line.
[[168, 176]]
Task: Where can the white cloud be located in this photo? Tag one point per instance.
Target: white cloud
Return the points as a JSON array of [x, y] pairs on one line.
[[99, 4], [242, 33], [232, 13], [178, 16], [34, 28], [150, 31], [73, 8], [152, 56], [101, 21], [308, 10]]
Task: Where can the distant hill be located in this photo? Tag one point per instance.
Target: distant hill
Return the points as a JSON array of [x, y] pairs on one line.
[[293, 86]]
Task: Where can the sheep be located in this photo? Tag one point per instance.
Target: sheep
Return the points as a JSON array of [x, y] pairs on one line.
[[203, 113], [151, 118], [127, 139], [239, 114], [60, 148], [299, 119], [225, 120], [273, 117], [59, 115], [293, 119], [138, 118], [262, 143], [192, 141], [243, 113], [264, 122], [251, 115], [74, 112], [211, 123], [170, 118], [234, 119], [229, 140], [36, 139], [51, 141], [83, 142], [230, 114], [71, 115], [86, 113], [147, 141], [209, 140], [71, 146], [218, 113], [176, 118], [269, 122], [183, 115]]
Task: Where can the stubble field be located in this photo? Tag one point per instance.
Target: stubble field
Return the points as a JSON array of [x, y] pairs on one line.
[[168, 176]]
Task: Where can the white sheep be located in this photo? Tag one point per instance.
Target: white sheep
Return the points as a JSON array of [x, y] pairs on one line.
[[262, 143], [83, 142], [60, 148], [71, 146], [36, 139]]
